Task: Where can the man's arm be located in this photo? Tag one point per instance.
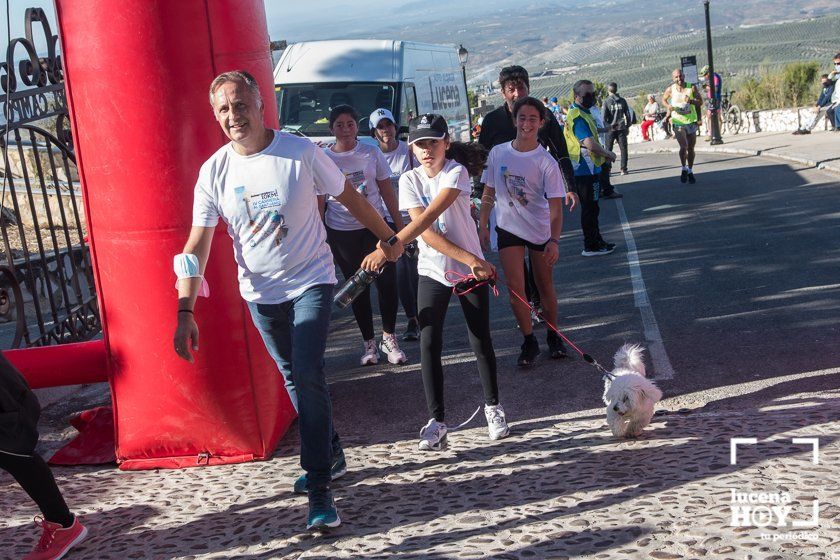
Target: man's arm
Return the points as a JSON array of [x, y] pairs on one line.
[[186, 332], [360, 208], [594, 147], [666, 98]]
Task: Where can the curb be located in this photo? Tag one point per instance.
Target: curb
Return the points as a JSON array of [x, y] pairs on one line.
[[832, 166]]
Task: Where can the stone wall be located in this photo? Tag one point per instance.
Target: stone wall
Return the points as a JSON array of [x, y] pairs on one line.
[[771, 120]]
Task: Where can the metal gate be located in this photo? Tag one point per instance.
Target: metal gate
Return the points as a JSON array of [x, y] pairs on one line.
[[47, 293]]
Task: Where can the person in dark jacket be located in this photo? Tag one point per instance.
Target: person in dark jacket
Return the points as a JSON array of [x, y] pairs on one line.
[[617, 119], [498, 128], [19, 413], [824, 106]]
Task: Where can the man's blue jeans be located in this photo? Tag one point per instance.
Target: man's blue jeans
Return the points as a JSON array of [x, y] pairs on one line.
[[295, 334]]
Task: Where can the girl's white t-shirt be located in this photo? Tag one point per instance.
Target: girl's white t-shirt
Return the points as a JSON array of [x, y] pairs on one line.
[[399, 160], [417, 190], [362, 166], [269, 202], [523, 182]]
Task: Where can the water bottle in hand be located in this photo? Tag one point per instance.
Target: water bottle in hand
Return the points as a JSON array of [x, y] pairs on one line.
[[354, 286]]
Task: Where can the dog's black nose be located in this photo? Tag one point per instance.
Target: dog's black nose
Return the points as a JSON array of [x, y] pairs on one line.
[[615, 407]]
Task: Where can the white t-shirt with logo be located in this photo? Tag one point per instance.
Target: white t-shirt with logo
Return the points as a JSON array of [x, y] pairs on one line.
[[362, 166], [399, 160], [417, 190], [268, 201], [523, 182]]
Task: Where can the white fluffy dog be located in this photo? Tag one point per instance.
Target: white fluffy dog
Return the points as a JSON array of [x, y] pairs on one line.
[[629, 396]]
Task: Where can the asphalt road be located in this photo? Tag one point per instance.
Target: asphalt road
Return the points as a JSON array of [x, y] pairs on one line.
[[739, 273]]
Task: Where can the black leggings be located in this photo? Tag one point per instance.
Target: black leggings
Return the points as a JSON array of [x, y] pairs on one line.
[[349, 249], [36, 479], [433, 301]]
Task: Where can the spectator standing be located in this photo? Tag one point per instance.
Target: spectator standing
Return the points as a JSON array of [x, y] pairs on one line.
[[823, 106], [557, 111], [617, 117], [587, 156], [606, 186], [649, 117], [714, 93], [835, 96]]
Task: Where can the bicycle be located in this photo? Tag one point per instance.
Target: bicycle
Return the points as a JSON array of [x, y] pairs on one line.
[[730, 115]]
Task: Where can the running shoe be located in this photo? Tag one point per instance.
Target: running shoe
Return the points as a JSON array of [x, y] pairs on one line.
[[56, 540], [496, 424], [391, 349], [530, 352], [691, 179], [412, 331], [371, 355], [556, 348], [433, 436], [338, 469], [684, 175], [322, 512], [604, 249]]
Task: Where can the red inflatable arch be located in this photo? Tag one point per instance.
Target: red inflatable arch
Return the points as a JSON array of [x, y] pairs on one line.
[[137, 77]]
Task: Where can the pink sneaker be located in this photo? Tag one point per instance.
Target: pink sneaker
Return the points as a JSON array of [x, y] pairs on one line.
[[56, 541]]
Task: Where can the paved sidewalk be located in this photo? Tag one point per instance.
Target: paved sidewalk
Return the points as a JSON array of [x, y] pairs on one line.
[[820, 149]]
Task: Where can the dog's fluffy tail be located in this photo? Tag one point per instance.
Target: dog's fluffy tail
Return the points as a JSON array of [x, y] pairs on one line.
[[629, 356]]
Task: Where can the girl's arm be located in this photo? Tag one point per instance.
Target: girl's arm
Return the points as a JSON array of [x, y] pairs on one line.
[[427, 216], [389, 197], [481, 269], [552, 248], [488, 201]]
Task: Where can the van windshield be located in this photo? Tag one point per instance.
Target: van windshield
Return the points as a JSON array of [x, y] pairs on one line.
[[305, 108]]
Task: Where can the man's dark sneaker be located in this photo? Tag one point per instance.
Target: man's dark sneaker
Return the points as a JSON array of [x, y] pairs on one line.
[[691, 178], [801, 131], [613, 194], [412, 332], [322, 512], [604, 249], [530, 351], [608, 246], [684, 176], [338, 469], [556, 348]]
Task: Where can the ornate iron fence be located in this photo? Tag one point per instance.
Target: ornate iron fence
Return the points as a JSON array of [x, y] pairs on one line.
[[47, 293]]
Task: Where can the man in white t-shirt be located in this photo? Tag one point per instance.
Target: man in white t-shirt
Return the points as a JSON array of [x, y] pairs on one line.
[[264, 186]]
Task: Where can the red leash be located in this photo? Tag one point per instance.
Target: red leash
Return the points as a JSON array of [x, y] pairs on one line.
[[466, 283]]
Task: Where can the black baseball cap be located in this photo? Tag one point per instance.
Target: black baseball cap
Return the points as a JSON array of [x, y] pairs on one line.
[[427, 127], [517, 73]]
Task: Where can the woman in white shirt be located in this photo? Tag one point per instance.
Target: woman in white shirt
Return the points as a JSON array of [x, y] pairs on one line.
[[368, 171], [383, 128]]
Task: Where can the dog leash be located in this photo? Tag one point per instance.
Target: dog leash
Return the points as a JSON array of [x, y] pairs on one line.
[[466, 283]]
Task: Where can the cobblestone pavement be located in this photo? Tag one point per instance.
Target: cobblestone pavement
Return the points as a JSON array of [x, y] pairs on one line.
[[754, 357], [559, 487]]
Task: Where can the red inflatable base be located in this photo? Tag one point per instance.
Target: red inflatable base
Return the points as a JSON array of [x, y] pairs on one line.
[[94, 445]]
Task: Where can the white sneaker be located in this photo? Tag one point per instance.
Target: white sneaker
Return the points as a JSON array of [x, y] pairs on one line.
[[496, 423], [391, 349], [433, 436], [371, 355]]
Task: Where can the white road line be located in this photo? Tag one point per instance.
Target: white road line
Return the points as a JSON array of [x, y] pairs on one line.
[[661, 363]]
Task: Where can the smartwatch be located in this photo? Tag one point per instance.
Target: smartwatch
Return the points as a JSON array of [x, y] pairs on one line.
[[392, 240]]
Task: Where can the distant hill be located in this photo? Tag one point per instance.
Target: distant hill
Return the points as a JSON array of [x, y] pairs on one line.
[[642, 64]]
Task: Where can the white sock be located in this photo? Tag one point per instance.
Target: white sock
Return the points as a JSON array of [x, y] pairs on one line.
[[689, 170], [685, 168]]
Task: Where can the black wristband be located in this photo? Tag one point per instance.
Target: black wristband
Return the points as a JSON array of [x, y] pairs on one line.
[[186, 311], [550, 239]]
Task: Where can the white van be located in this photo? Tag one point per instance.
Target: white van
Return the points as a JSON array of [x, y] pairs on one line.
[[407, 78]]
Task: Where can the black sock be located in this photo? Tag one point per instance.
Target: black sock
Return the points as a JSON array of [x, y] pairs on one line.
[[530, 338]]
